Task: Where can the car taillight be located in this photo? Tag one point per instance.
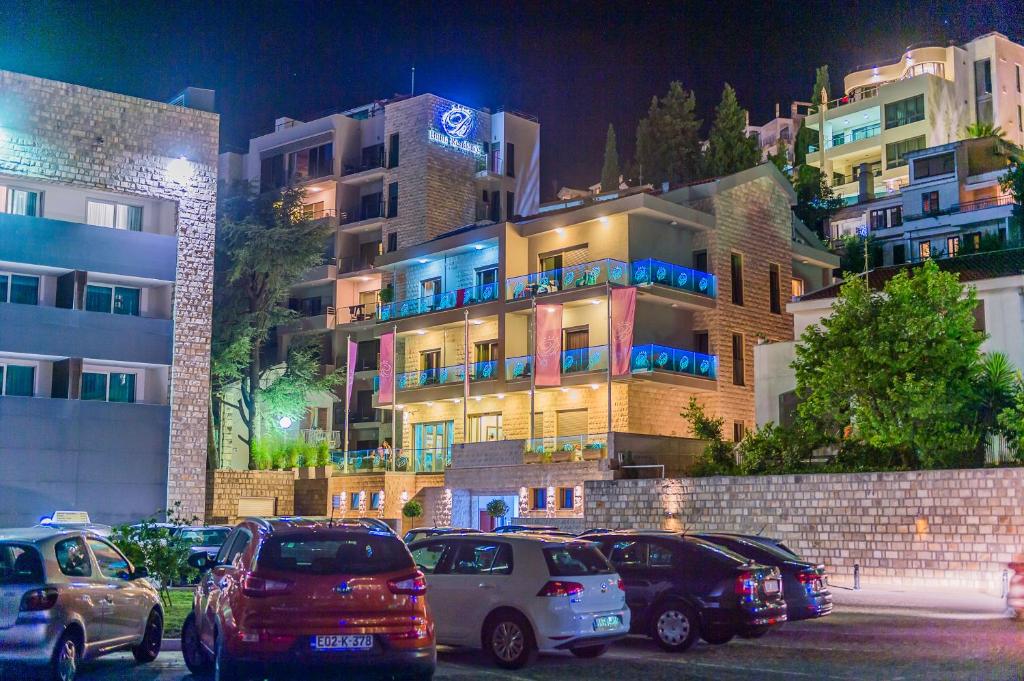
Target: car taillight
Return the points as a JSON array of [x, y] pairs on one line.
[[257, 587], [413, 585], [39, 599], [622, 585], [558, 588], [746, 584], [810, 579]]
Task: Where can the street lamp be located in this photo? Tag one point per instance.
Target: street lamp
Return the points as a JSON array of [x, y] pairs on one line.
[[285, 422]]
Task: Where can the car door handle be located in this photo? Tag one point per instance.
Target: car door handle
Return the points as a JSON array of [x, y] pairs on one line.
[[485, 586]]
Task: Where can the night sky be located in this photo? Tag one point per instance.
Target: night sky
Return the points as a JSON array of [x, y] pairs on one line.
[[577, 66]]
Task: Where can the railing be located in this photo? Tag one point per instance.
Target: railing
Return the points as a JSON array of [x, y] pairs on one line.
[[652, 271], [640, 273], [314, 436], [354, 263], [372, 158], [518, 367], [318, 214], [425, 377], [969, 206], [483, 371], [403, 460], [652, 357], [568, 448], [584, 359], [449, 300], [367, 212]]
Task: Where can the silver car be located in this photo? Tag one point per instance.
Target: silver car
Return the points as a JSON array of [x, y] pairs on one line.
[[68, 596]]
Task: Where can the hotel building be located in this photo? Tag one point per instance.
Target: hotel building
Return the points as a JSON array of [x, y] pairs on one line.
[[106, 281]]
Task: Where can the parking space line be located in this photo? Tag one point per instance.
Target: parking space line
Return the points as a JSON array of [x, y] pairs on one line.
[[738, 668]]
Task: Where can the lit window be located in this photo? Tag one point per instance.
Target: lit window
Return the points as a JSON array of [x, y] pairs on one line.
[[539, 498], [797, 287], [952, 245], [114, 215], [924, 250]]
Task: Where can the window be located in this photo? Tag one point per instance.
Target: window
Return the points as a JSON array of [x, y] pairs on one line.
[[392, 242], [796, 287], [272, 175], [701, 343], [110, 387], [736, 265], [929, 203], [974, 238], [375, 501], [979, 316], [700, 261], [510, 159], [430, 362], [924, 250], [566, 498], [895, 216], [371, 206], [570, 423], [428, 557], [485, 428], [576, 560], [18, 288], [1018, 77], [20, 564], [73, 557], [510, 205], [430, 288], [114, 215], [952, 245], [19, 202], [899, 254], [17, 380], [983, 90], [354, 501], [774, 287], [112, 564], [932, 166], [659, 556], [738, 377], [539, 498], [1020, 120], [393, 151], [115, 299], [575, 350], [904, 112], [482, 558], [739, 429], [895, 151], [392, 199], [486, 276], [314, 554]]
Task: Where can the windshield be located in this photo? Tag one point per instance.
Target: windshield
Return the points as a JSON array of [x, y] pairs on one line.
[[20, 564], [576, 560], [355, 554], [205, 537]]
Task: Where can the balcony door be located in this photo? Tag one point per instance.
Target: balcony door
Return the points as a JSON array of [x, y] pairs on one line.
[[433, 442], [576, 349], [430, 365]]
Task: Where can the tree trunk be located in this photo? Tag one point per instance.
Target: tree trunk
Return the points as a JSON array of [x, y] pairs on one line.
[[249, 389], [212, 450]]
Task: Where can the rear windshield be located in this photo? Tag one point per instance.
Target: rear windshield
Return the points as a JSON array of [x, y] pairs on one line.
[[755, 550], [576, 560], [348, 554], [20, 564], [205, 537]]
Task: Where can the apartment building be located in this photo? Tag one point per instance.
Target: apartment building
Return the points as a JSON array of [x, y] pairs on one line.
[[924, 98], [779, 129], [107, 214], [712, 266], [390, 174]]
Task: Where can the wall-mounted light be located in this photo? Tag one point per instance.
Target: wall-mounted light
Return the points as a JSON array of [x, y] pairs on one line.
[[477, 322], [559, 231], [423, 261], [479, 247], [179, 170], [594, 386], [595, 302], [500, 396], [421, 332], [604, 220], [285, 422]]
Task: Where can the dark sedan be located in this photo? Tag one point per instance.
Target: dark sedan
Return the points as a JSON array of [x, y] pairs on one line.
[[425, 532], [679, 587], [804, 585]]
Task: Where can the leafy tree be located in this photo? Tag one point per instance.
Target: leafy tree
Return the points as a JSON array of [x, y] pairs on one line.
[[610, 171], [286, 387], [815, 200], [821, 82], [805, 136], [780, 158], [668, 139], [496, 508], [412, 509], [852, 257], [265, 242], [155, 547], [1011, 419], [631, 174], [717, 457], [730, 149], [995, 386], [895, 369], [773, 450]]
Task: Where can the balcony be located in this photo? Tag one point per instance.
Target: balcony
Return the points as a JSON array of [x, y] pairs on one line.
[[644, 272], [314, 436], [371, 167], [577, 361], [450, 300], [651, 358], [966, 207], [850, 136], [566, 448], [401, 460]]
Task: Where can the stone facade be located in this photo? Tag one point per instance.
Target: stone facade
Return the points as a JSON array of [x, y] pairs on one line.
[[81, 137], [951, 528], [316, 497], [225, 487]]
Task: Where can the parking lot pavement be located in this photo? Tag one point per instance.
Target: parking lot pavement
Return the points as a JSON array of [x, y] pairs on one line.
[[846, 646]]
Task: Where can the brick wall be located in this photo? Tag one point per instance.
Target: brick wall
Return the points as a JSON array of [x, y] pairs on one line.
[[82, 137], [225, 487], [951, 528]]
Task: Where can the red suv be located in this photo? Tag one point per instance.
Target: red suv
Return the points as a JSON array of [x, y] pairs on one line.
[[294, 592]]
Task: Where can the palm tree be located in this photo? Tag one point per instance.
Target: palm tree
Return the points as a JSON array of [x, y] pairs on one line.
[[995, 384], [977, 130]]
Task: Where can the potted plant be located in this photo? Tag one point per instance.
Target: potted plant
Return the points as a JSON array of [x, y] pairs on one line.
[[497, 509], [387, 294], [412, 510]]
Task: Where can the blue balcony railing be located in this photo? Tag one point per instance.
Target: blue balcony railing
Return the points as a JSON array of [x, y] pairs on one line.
[[424, 377], [653, 271], [483, 371], [449, 300], [402, 460], [576, 446], [639, 273], [585, 359], [651, 357], [518, 367]]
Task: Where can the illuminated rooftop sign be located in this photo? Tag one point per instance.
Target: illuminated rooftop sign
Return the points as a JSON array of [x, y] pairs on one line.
[[454, 126]]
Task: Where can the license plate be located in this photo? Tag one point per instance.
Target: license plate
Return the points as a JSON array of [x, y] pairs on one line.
[[771, 586], [606, 622], [346, 642]]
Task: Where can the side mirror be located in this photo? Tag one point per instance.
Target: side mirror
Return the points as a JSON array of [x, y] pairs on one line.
[[200, 561], [140, 573]]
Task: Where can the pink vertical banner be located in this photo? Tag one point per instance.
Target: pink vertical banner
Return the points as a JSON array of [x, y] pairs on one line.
[[350, 372], [549, 345], [623, 302], [386, 370]]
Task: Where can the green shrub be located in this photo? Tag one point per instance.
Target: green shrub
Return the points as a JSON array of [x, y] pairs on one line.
[[322, 455], [496, 508], [412, 509], [153, 547]]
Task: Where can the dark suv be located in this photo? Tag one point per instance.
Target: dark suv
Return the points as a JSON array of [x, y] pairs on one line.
[[804, 585], [678, 587]]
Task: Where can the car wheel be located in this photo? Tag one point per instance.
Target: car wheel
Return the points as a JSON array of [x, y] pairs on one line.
[[66, 656], [149, 648], [196, 659], [509, 640], [589, 651], [674, 627], [754, 632]]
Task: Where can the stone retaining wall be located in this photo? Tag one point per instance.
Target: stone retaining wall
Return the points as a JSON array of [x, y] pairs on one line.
[[925, 528], [225, 487]]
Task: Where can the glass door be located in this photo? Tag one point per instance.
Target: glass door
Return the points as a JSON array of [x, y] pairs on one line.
[[433, 443]]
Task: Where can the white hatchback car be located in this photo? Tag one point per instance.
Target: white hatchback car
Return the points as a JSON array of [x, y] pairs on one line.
[[515, 595]]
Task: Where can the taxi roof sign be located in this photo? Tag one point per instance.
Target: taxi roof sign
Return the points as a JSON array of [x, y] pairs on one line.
[[70, 518]]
